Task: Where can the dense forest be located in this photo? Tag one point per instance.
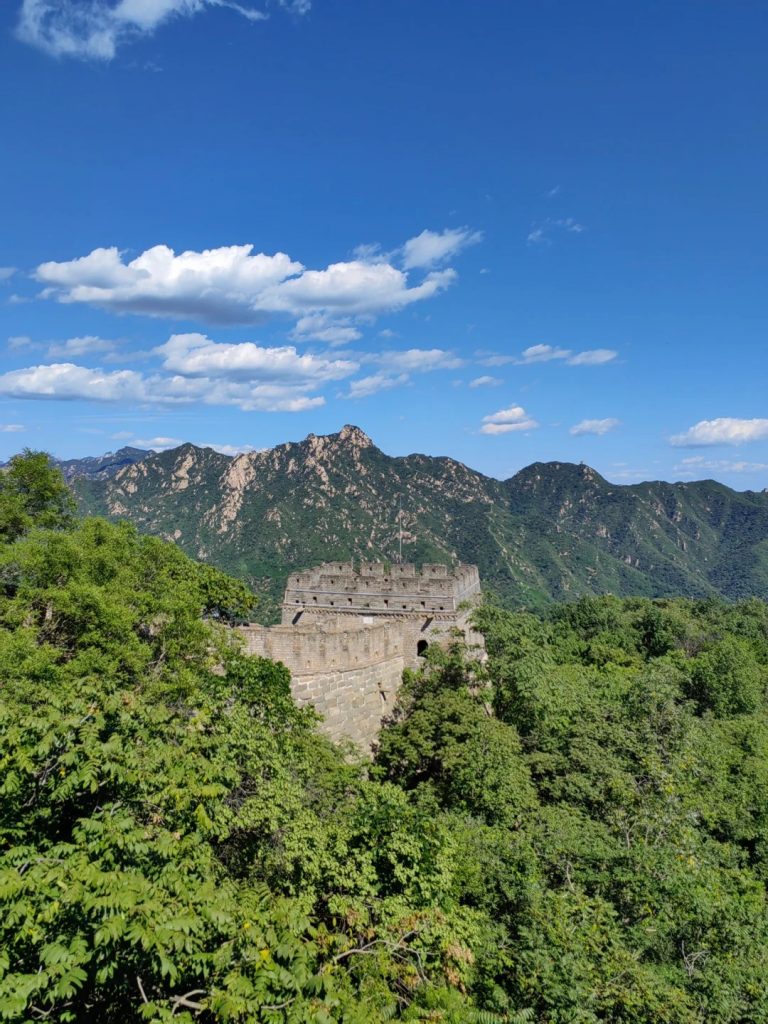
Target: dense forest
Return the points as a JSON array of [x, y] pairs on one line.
[[575, 831]]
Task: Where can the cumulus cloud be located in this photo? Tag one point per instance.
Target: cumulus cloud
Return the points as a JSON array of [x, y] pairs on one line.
[[485, 382], [724, 430], [507, 420], [195, 355], [157, 444], [95, 29], [70, 382], [366, 386], [232, 284], [433, 247], [598, 427]]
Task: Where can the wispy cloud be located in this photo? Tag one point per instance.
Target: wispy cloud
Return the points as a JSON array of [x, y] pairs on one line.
[[11, 428], [374, 383], [86, 345], [541, 233], [96, 29], [598, 427], [543, 354], [552, 353], [431, 248], [697, 464], [593, 357], [6, 273], [507, 420], [419, 360], [21, 341], [724, 430], [486, 382]]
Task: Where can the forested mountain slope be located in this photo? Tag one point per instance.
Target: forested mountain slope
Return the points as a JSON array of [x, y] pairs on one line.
[[554, 531], [574, 831]]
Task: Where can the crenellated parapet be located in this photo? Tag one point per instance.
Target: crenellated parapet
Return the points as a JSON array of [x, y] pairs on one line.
[[380, 589]]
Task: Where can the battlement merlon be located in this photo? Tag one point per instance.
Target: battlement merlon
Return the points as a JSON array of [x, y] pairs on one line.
[[377, 589]]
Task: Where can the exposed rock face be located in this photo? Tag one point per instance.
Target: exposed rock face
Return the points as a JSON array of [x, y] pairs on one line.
[[552, 531]]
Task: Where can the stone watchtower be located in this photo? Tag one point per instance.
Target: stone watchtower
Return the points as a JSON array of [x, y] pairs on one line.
[[425, 607], [347, 634]]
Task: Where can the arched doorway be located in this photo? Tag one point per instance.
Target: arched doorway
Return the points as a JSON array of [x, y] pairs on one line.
[[421, 648]]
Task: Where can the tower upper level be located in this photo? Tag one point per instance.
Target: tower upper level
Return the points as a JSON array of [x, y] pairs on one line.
[[376, 588]]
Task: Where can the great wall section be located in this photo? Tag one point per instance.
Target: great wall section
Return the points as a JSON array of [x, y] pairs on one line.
[[347, 634]]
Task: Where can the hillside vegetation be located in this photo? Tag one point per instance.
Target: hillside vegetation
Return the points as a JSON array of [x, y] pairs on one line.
[[576, 832], [552, 532]]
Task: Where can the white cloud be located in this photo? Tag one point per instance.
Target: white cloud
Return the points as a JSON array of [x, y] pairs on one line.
[[507, 420], [418, 360], [195, 355], [598, 427], [495, 359], [551, 353], [11, 428], [321, 328], [366, 386], [485, 382], [593, 357], [157, 443], [433, 247], [697, 464], [6, 273], [86, 345], [68, 381], [232, 284], [351, 288], [543, 354], [21, 341], [94, 29], [724, 430]]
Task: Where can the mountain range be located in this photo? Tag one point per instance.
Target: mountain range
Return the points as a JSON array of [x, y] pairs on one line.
[[553, 531], [99, 467]]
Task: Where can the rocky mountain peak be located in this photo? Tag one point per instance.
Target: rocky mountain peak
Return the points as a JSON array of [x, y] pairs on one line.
[[354, 436]]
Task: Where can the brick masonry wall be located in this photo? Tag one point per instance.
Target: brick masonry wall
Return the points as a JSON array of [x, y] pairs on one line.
[[346, 636], [350, 675]]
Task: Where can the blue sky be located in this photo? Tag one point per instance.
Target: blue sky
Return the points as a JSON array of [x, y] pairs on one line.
[[504, 232]]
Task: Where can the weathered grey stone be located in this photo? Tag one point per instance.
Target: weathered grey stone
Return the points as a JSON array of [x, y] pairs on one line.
[[347, 635]]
